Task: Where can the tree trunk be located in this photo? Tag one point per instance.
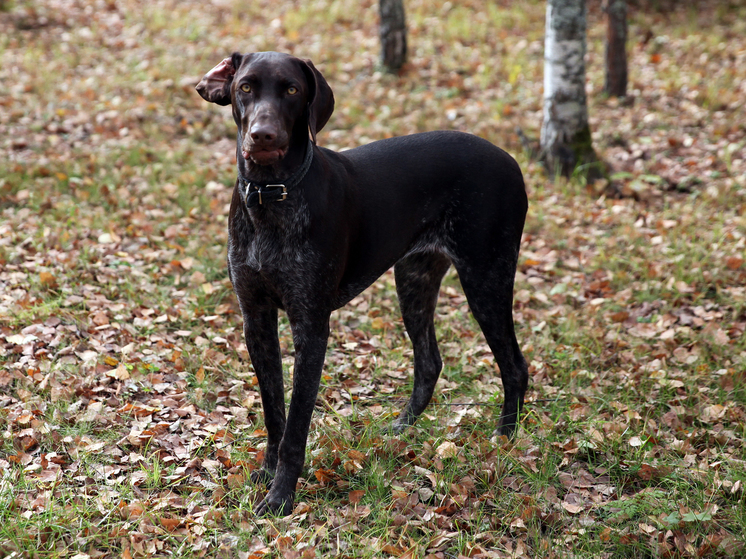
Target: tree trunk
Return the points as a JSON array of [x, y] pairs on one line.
[[565, 135], [615, 82], [393, 34]]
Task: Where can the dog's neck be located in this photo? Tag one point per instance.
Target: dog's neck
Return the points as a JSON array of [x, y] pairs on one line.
[[255, 193]]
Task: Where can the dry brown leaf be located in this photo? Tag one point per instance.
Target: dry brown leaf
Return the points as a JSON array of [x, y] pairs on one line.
[[324, 477], [48, 280], [100, 318], [235, 481], [170, 524], [120, 373], [392, 550], [648, 472], [355, 496], [356, 455], [713, 413], [573, 508], [619, 316], [573, 503]]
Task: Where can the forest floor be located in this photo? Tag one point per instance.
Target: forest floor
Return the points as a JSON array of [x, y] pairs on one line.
[[129, 413]]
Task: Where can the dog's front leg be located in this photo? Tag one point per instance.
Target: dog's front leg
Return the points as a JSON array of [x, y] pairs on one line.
[[260, 331], [310, 339]]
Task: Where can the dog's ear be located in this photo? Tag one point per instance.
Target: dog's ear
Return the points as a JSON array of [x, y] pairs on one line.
[[215, 86], [320, 98]]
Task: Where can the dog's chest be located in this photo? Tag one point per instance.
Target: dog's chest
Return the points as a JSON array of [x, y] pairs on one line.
[[272, 241]]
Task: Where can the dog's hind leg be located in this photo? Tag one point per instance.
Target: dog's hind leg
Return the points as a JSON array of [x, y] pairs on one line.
[[489, 290], [418, 279]]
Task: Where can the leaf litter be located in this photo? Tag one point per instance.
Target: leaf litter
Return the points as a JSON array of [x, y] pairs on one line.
[[131, 416]]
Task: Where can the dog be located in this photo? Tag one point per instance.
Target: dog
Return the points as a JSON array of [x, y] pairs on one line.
[[310, 229]]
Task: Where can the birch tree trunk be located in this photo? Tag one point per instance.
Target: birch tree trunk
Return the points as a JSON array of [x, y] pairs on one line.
[[393, 34], [565, 134], [615, 78]]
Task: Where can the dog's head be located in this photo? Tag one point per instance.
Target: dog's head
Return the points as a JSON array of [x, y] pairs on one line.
[[277, 99]]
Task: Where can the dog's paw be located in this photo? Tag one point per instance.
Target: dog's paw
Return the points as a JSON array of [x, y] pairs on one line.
[[396, 428], [506, 429], [275, 505], [508, 432]]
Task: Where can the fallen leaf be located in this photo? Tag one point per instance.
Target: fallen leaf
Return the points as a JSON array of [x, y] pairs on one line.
[[19, 339], [447, 449], [325, 477], [356, 455], [355, 496], [235, 481], [208, 288], [713, 413], [573, 503], [619, 316], [47, 280], [635, 441], [170, 524], [120, 373]]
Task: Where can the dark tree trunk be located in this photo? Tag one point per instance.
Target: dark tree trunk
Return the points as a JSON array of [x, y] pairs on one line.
[[393, 34], [615, 83]]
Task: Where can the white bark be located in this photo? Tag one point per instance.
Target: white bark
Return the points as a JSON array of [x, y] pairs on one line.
[[565, 104]]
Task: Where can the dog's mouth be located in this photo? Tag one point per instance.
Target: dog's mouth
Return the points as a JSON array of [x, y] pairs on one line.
[[264, 156]]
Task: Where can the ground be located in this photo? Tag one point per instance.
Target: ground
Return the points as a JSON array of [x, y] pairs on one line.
[[129, 412]]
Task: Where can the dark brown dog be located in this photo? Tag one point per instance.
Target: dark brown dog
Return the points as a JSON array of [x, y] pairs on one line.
[[310, 229]]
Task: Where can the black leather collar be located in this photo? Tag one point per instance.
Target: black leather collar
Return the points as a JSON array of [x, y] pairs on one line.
[[256, 194]]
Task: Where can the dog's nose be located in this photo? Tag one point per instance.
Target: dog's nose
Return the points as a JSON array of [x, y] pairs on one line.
[[263, 133]]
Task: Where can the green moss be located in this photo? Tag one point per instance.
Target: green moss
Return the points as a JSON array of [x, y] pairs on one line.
[[588, 165]]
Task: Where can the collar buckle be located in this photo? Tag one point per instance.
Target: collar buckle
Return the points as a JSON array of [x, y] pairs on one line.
[[253, 194], [283, 194]]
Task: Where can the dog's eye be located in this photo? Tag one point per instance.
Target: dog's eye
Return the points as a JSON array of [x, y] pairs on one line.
[[246, 88], [292, 90]]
